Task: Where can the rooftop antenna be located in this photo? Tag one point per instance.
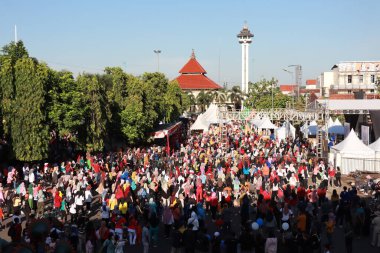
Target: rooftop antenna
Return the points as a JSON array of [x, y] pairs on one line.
[[15, 34]]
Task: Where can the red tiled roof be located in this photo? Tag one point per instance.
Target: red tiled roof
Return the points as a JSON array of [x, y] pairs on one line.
[[192, 67], [196, 82], [309, 90], [342, 96], [288, 87], [311, 82]]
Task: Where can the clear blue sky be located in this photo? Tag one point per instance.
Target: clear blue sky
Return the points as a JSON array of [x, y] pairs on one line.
[[88, 35]]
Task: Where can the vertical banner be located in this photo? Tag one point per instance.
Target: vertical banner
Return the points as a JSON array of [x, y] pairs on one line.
[[346, 129], [365, 134]]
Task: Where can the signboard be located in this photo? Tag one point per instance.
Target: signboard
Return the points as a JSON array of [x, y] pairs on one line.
[[347, 129], [359, 66], [365, 134]]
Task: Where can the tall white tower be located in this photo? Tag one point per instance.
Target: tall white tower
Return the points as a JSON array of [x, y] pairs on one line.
[[245, 38]]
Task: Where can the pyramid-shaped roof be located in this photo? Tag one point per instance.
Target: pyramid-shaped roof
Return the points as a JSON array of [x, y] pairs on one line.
[[353, 145], [193, 77], [192, 67]]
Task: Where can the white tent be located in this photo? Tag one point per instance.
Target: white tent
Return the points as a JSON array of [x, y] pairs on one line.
[[266, 124], [331, 122], [290, 129], [211, 114], [376, 147], [256, 120], [281, 133], [305, 129], [352, 154], [200, 124], [286, 130], [337, 122]]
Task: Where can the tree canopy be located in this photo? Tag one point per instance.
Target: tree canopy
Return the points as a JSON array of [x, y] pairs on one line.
[[40, 106]]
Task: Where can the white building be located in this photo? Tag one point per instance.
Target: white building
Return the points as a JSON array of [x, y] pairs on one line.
[[350, 76]]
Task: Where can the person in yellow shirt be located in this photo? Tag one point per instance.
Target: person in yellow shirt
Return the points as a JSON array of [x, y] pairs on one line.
[[123, 207], [112, 202]]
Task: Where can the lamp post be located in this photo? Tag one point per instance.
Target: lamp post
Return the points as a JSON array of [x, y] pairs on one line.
[[158, 58], [298, 73], [272, 100], [291, 73]]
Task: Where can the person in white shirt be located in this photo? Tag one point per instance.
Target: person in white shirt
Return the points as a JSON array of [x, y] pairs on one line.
[[105, 212], [79, 202], [73, 212], [31, 176], [88, 199]]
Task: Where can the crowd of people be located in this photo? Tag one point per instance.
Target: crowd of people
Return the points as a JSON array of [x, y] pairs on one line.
[[285, 198]]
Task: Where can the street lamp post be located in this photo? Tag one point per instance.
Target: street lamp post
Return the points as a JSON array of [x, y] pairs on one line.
[[272, 100], [158, 58], [291, 73]]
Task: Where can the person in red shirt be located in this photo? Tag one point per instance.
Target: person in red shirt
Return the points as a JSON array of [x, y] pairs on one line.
[[132, 226], [119, 225], [331, 173], [301, 193]]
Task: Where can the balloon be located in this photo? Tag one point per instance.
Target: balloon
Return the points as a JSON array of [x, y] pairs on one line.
[[285, 226], [260, 221], [255, 226]]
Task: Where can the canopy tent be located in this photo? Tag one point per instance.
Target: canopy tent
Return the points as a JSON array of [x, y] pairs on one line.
[[256, 120], [211, 114], [266, 124], [337, 122], [376, 147], [352, 154], [331, 122], [304, 129], [336, 128], [200, 124], [286, 130], [290, 129], [312, 128]]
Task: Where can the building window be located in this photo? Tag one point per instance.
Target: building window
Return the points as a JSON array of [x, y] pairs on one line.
[[372, 78], [360, 78], [349, 79], [349, 91]]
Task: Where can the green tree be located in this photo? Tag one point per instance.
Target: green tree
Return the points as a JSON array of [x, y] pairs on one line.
[[261, 93], [66, 105], [186, 101], [133, 124], [10, 54], [96, 110], [29, 130], [236, 96], [192, 101], [204, 99], [173, 102], [155, 86]]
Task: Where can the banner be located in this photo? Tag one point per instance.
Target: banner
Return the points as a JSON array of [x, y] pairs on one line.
[[365, 134], [347, 129]]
